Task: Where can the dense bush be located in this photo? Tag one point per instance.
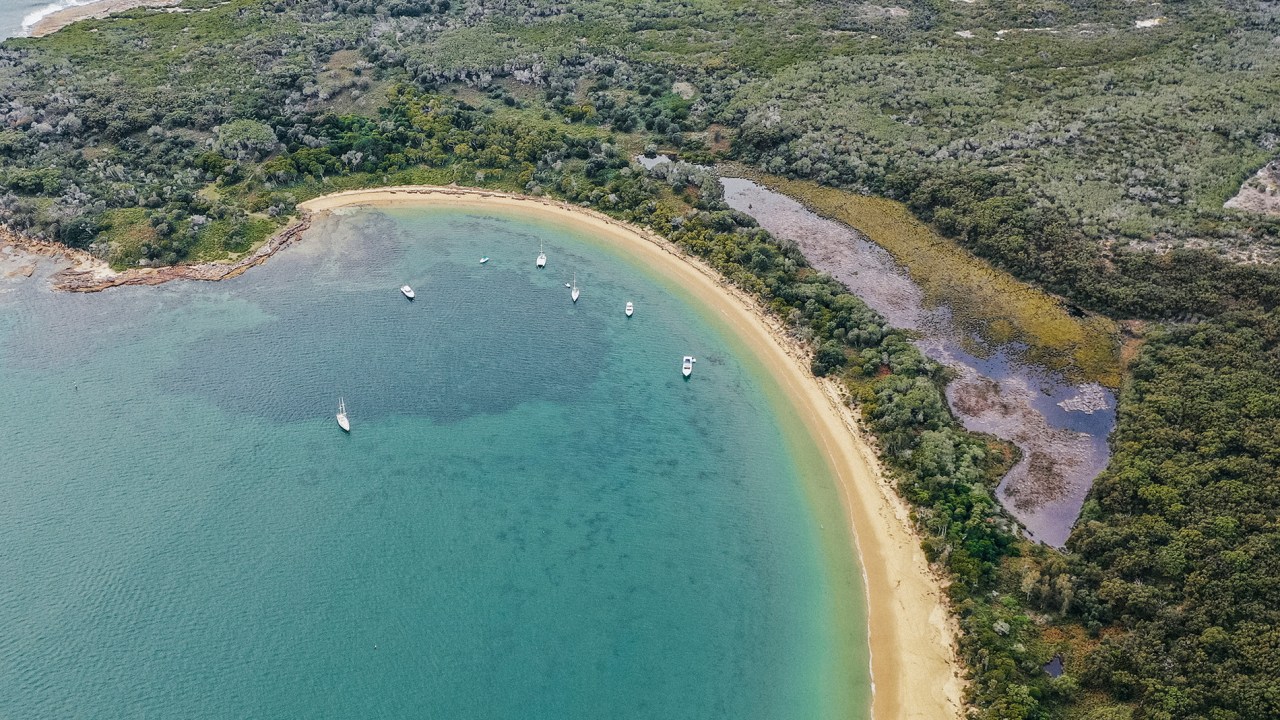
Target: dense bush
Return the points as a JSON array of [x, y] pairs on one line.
[[988, 214], [1180, 546]]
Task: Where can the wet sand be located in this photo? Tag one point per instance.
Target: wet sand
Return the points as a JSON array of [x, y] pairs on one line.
[[54, 22]]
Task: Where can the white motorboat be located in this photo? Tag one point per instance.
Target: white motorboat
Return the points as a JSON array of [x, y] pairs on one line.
[[568, 285], [408, 291], [484, 259], [687, 368], [343, 422], [630, 308], [574, 293], [542, 256]]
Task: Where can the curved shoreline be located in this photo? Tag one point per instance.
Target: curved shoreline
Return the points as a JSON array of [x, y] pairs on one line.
[[913, 667], [55, 21], [914, 670]]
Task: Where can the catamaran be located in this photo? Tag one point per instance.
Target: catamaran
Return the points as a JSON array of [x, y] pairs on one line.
[[542, 256], [630, 308], [687, 367], [408, 291], [343, 422], [574, 293]]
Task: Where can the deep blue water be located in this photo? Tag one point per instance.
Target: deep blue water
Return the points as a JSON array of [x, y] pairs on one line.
[[534, 516]]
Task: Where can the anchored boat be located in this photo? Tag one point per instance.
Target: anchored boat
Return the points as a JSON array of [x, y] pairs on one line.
[[687, 368], [630, 308], [343, 422], [408, 291], [542, 256]]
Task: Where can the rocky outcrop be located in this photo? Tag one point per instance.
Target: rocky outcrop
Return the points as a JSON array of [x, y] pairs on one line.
[[1260, 193], [85, 273]]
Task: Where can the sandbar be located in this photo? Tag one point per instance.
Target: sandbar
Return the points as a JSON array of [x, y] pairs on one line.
[[914, 668]]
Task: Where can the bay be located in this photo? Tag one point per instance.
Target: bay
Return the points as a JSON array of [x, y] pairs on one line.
[[534, 516]]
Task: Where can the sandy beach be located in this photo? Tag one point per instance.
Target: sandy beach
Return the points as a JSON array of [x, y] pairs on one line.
[[54, 22], [913, 665]]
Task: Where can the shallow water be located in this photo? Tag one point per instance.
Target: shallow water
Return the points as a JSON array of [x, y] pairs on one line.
[[1060, 427], [17, 16], [534, 516]]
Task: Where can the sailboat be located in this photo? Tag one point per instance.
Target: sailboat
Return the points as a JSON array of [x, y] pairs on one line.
[[343, 422], [630, 308], [574, 293], [542, 256]]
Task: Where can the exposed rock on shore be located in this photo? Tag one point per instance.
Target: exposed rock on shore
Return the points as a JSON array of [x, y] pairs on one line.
[[86, 273]]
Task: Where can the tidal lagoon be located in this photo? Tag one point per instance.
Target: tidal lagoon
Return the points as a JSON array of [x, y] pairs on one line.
[[1059, 425]]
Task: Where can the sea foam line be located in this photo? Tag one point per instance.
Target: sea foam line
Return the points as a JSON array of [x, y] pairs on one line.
[[30, 19]]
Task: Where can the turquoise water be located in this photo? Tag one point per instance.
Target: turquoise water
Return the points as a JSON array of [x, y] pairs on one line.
[[534, 516]]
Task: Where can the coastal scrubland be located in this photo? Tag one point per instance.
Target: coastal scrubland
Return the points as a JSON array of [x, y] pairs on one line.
[[1087, 148]]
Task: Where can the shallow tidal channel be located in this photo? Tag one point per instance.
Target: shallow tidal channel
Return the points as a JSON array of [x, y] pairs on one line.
[[1060, 426]]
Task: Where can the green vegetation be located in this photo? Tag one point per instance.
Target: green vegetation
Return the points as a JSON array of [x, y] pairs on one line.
[[1041, 143], [1178, 553], [993, 220], [989, 303], [1062, 151]]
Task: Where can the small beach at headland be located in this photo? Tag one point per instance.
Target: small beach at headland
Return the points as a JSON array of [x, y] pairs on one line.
[[58, 17]]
